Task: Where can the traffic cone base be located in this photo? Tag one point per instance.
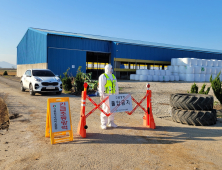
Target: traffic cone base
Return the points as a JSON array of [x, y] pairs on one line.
[[81, 128], [152, 123]]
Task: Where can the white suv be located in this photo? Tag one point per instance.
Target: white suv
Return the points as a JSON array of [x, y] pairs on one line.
[[40, 81]]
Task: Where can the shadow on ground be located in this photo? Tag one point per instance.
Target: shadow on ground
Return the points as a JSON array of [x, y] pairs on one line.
[[160, 135]]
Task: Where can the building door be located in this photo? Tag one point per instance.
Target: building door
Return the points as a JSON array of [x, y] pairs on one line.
[[95, 63]]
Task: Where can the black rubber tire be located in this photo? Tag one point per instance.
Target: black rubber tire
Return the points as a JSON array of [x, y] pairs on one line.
[[194, 117], [190, 101], [22, 88], [31, 92]]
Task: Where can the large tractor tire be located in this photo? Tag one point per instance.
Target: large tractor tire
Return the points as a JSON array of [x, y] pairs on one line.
[[194, 117], [190, 101]]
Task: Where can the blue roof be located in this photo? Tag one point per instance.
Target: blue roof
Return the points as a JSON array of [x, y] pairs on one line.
[[127, 41]]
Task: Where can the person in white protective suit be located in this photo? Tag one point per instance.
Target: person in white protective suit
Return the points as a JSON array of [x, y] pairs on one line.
[[107, 86]]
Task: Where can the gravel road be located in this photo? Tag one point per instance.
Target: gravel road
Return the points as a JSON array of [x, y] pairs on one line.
[[130, 146]]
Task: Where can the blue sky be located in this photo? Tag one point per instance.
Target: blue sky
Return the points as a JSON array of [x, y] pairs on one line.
[[192, 23]]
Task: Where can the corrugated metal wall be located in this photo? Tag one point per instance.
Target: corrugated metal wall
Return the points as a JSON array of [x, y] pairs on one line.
[[57, 41], [32, 48], [113, 53], [65, 51], [161, 54], [61, 59]]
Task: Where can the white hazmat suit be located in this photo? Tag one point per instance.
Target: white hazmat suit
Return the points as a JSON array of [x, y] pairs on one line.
[[109, 121]]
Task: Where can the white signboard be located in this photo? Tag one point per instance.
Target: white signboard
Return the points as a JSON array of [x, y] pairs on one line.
[[60, 116], [73, 66], [120, 103]]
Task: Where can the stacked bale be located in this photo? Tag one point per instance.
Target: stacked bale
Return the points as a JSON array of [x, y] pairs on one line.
[[196, 70], [154, 75], [182, 69]]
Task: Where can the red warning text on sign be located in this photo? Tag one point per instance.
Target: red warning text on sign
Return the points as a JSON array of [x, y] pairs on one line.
[[120, 103], [60, 116]]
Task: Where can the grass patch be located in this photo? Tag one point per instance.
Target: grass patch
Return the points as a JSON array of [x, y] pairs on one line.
[[216, 102]]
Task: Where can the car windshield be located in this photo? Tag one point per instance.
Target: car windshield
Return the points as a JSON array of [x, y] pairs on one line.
[[42, 73]]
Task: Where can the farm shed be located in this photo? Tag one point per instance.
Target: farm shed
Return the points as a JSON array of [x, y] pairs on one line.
[[58, 51]]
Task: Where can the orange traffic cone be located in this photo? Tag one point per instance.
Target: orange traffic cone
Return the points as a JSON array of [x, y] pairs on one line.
[[148, 119], [151, 119], [82, 126], [82, 123], [152, 123]]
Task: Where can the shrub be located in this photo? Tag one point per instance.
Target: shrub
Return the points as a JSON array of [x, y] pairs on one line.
[[202, 89], [194, 89], [66, 81], [79, 81], [216, 86], [5, 73]]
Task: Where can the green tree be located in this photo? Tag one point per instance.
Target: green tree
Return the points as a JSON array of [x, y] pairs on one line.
[[194, 89], [5, 73], [79, 81], [216, 86], [66, 81], [202, 89]]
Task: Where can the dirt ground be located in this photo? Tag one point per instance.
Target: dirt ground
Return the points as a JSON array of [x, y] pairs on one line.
[[10, 72], [4, 115], [130, 146]]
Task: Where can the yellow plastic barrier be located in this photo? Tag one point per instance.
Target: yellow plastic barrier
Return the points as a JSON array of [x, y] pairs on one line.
[[58, 120]]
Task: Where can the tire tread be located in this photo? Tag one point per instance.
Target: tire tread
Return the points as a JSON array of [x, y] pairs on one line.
[[194, 117]]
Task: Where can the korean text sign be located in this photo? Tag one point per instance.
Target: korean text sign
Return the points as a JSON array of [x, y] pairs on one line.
[[120, 103], [60, 119]]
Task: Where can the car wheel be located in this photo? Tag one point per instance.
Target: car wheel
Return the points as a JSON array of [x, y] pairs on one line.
[[58, 92], [22, 88], [32, 93]]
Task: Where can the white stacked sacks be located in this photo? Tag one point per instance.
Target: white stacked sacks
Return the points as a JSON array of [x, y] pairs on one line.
[[189, 73], [169, 73], [156, 75], [162, 74], [197, 71], [138, 73], [184, 69], [172, 78], [175, 68], [132, 76], [150, 77], [143, 75], [199, 62], [182, 73], [137, 76]]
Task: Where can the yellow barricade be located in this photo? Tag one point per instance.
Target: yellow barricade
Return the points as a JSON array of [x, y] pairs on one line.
[[58, 120]]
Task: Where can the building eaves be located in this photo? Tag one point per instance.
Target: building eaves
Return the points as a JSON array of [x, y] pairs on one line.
[[127, 41]]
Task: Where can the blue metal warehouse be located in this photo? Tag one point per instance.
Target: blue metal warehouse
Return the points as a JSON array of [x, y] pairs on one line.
[[58, 51]]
